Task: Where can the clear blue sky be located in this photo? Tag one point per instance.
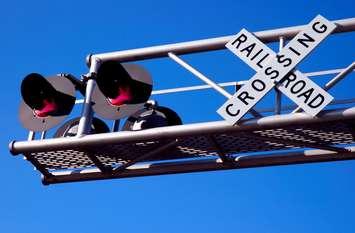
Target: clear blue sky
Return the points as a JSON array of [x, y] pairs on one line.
[[55, 36]]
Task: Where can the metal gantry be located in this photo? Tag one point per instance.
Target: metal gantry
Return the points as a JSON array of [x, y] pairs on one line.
[[281, 139]]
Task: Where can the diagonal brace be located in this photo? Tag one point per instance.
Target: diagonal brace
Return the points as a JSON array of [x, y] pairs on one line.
[[145, 156], [206, 80]]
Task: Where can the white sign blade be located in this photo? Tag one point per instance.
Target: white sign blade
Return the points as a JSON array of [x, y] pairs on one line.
[[246, 97], [302, 44], [276, 68], [256, 54], [304, 92], [250, 49]]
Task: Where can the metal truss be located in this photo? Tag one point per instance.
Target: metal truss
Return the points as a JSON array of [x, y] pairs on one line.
[[280, 139]]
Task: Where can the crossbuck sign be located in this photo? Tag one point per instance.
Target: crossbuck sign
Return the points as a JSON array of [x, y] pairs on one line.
[[277, 69]]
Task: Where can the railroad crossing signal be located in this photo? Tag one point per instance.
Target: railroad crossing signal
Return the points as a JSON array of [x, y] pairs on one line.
[[206, 146], [277, 69], [46, 101], [121, 90]]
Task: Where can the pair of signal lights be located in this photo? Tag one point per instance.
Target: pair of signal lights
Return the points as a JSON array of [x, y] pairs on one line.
[[122, 90]]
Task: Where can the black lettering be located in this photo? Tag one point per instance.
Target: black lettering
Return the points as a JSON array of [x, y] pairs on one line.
[[245, 95], [231, 113], [261, 60], [304, 40], [281, 59], [312, 105], [289, 78], [323, 28], [249, 48], [306, 94], [293, 88], [294, 51], [257, 54], [241, 39], [258, 85], [272, 72]]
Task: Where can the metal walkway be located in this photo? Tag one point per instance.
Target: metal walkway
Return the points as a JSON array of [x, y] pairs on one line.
[[274, 140], [260, 141]]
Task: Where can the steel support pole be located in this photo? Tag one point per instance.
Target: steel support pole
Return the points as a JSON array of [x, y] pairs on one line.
[[339, 77], [98, 163], [200, 75], [43, 135], [221, 153], [195, 88], [278, 93], [115, 126], [31, 136], [87, 113]]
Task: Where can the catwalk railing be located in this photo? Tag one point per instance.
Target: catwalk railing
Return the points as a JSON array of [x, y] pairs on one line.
[[280, 139]]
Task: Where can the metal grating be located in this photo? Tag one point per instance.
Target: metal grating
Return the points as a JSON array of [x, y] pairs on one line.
[[63, 159], [336, 133]]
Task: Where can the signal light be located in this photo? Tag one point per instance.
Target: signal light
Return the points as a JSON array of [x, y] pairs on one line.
[[46, 101], [152, 117], [121, 90]]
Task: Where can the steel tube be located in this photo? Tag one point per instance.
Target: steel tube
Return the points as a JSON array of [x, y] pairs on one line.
[[115, 126], [200, 75], [278, 93], [206, 80], [195, 88], [309, 156], [226, 84], [339, 77], [145, 156], [344, 25], [87, 113], [31, 136], [172, 132], [43, 135]]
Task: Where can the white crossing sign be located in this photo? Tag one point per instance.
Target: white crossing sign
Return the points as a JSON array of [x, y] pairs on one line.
[[295, 85], [275, 69]]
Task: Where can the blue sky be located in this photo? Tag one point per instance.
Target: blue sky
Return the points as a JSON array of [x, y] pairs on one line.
[[55, 36]]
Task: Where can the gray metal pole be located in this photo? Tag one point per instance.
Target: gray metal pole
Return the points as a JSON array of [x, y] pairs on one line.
[[115, 126], [31, 135], [43, 135], [278, 93], [177, 131], [206, 80], [87, 113], [343, 25], [225, 84], [339, 77], [200, 75]]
